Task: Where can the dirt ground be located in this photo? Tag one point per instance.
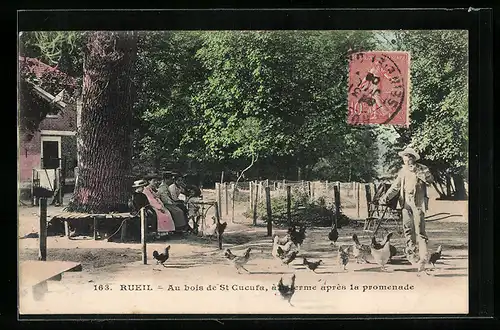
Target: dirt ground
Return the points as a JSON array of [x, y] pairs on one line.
[[196, 264]]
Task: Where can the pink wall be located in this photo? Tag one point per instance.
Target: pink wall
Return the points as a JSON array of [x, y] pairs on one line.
[[29, 157]]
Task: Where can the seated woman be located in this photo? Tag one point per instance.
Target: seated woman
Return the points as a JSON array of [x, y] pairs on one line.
[[164, 222], [179, 215]]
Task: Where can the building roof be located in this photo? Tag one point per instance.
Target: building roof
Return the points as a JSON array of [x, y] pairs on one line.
[[39, 69]]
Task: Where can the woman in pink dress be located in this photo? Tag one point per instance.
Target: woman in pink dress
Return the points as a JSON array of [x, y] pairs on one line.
[[163, 216]]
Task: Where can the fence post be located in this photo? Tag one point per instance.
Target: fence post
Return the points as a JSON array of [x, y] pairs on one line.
[[336, 195], [42, 248], [219, 198], [255, 207], [357, 198], [288, 205], [227, 198], [217, 219], [143, 237], [233, 190], [368, 198], [250, 185], [269, 212]]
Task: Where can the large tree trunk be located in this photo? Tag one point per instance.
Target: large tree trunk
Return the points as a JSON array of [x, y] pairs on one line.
[[105, 125]]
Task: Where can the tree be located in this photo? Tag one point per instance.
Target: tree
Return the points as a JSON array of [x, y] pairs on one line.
[[104, 137]]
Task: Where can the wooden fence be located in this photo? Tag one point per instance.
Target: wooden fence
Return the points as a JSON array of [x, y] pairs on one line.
[[351, 197]]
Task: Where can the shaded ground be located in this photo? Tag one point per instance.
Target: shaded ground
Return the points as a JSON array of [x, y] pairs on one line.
[[198, 262]]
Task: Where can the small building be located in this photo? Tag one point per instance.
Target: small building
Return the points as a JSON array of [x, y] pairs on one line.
[[50, 149]]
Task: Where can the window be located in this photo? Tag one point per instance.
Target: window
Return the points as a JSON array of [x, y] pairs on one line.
[[51, 152]]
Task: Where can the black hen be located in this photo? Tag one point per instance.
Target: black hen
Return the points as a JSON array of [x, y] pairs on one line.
[[312, 265], [221, 227], [435, 256], [297, 236], [287, 291], [333, 235], [161, 257]]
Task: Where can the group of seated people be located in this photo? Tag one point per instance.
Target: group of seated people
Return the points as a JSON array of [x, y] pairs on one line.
[[165, 211]]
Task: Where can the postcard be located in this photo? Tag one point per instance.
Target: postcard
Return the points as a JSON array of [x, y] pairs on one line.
[[243, 172]]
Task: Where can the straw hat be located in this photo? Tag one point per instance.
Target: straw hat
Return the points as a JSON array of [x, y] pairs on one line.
[[139, 183], [409, 151]]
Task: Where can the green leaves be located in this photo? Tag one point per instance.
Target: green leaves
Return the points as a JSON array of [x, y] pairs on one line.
[[223, 96]]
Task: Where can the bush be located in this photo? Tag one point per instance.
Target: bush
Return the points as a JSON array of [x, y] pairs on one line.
[[302, 211]]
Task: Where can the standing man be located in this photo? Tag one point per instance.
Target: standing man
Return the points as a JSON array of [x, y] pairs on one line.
[[412, 183]]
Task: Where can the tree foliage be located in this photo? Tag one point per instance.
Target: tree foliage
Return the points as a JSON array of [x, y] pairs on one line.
[[277, 94]]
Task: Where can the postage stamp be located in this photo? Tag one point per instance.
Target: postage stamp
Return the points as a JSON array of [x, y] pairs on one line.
[[226, 172], [379, 88]]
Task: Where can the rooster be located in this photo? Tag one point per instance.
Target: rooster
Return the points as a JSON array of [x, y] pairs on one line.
[[381, 253], [343, 257], [287, 291], [360, 251], [435, 256], [311, 265], [297, 237], [161, 258], [392, 248], [214, 229], [238, 261], [333, 235]]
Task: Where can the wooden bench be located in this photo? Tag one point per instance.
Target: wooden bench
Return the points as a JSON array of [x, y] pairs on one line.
[[33, 275], [66, 217]]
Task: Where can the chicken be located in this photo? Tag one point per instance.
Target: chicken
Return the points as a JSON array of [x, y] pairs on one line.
[[282, 240], [287, 259], [161, 258], [392, 248], [333, 235], [343, 257], [381, 253], [229, 255], [287, 291], [435, 256], [238, 261], [360, 251], [312, 265], [220, 228], [279, 250], [297, 237], [214, 228]]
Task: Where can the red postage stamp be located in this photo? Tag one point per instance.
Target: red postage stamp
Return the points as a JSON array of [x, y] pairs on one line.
[[379, 88]]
